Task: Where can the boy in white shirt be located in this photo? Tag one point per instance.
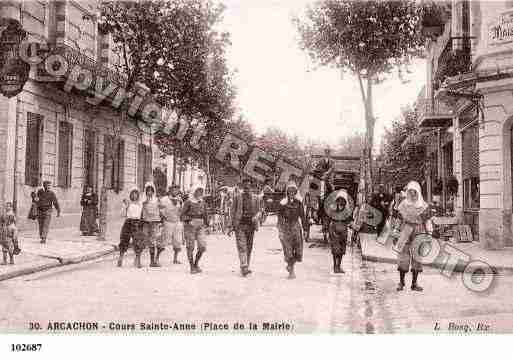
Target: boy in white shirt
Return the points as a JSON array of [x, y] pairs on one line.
[[131, 229]]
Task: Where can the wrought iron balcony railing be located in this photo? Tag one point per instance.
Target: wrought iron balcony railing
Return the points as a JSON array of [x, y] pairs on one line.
[[74, 57], [434, 113]]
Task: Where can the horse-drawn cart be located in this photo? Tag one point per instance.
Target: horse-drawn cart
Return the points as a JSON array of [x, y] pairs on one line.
[[344, 175]]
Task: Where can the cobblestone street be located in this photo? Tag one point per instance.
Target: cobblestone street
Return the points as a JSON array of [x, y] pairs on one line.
[[363, 300]]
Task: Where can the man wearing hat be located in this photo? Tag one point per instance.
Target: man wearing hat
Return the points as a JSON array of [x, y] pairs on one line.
[[46, 200], [245, 216]]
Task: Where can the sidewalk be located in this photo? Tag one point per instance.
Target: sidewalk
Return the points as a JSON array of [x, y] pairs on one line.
[[501, 260], [64, 246]]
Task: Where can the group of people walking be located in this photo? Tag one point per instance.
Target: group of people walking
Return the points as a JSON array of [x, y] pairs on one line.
[[156, 222]]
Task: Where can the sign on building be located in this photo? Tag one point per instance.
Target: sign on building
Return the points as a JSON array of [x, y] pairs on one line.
[[500, 30], [14, 71]]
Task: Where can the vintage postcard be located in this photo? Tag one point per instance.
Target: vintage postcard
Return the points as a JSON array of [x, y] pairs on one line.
[[273, 167]]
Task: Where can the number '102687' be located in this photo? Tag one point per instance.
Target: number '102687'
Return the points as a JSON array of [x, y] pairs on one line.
[[26, 347]]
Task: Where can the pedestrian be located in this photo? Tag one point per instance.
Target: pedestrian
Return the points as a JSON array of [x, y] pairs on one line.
[[290, 211], [245, 219], [151, 221], [46, 200], [394, 217], [132, 228], [340, 215], [381, 201], [89, 203], [9, 235], [170, 210], [416, 217], [195, 219]]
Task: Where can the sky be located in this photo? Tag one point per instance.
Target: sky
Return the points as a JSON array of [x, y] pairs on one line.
[[278, 86]]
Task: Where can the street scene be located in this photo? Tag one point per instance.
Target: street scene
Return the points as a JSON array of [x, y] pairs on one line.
[[363, 300], [270, 167]]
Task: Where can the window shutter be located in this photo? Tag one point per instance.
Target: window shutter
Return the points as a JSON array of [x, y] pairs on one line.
[[470, 152], [90, 158], [65, 154], [107, 161], [120, 174], [32, 149], [141, 158], [148, 165]]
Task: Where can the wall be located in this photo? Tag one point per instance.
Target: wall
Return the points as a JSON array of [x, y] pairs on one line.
[[51, 103], [494, 132]]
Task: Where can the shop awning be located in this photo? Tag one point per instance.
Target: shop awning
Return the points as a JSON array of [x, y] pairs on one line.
[[434, 114], [435, 121]]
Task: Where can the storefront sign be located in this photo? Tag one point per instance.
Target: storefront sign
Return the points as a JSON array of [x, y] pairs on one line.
[[14, 71], [501, 30]]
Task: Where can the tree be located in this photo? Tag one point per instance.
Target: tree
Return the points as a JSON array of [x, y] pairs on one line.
[[351, 145], [403, 149], [367, 38], [171, 47]]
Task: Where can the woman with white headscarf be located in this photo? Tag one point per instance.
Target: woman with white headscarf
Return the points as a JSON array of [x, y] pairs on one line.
[[151, 224], [195, 219], [416, 216], [290, 211], [339, 210]]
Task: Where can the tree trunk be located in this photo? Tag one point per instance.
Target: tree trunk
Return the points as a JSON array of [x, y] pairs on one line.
[[117, 126], [102, 227], [209, 175], [369, 140], [174, 167]]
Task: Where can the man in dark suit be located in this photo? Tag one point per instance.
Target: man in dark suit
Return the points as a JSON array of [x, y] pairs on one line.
[[46, 200], [245, 217]]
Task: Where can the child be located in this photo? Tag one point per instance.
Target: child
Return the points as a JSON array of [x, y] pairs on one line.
[[151, 224], [9, 235], [170, 209], [194, 216], [131, 228]]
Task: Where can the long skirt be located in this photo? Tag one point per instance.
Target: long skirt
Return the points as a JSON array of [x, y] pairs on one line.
[[338, 238], [291, 238], [172, 233], [88, 221]]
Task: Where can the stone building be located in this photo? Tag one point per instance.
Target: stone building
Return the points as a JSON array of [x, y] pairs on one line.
[[47, 133], [470, 70]]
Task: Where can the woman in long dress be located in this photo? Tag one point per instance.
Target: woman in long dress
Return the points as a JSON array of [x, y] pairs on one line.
[[416, 217], [290, 212], [340, 213], [89, 203]]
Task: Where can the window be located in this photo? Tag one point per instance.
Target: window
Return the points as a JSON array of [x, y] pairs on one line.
[[144, 165], [114, 164], [33, 149], [470, 166], [471, 193], [65, 154]]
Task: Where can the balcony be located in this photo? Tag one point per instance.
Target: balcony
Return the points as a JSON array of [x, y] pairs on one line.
[[74, 57], [434, 113], [452, 63]]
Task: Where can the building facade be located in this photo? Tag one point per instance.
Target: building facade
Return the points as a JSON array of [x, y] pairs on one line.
[[47, 133], [470, 70]]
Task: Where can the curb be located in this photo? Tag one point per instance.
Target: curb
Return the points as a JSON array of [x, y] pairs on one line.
[[30, 270], [459, 268], [59, 263]]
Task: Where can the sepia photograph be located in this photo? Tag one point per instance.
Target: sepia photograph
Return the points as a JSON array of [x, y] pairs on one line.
[[270, 167]]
